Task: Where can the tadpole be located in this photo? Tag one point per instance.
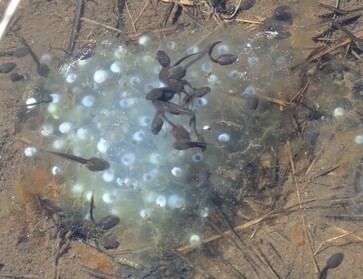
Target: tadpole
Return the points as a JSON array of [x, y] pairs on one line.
[[223, 59], [42, 69], [93, 163], [334, 261]]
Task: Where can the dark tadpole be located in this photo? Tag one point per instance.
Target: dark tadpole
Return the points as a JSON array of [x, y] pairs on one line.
[[157, 124], [42, 69], [185, 144], [179, 132], [283, 13], [93, 163], [223, 59], [334, 261], [7, 67], [104, 223]]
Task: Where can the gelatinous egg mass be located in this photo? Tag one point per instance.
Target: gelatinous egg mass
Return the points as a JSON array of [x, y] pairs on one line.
[[99, 110]]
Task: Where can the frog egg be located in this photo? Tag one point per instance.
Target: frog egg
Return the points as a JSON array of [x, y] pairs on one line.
[[144, 40], [82, 134], [108, 198], [204, 212], [102, 145], [253, 60], [128, 159], [65, 127], [119, 52], [52, 109], [234, 74], [194, 240], [56, 98], [55, 170], [100, 76], [144, 121], [59, 144], [178, 172], [138, 136], [201, 102], [127, 102], [212, 78], [134, 80], [250, 91], [358, 139], [338, 112], [124, 182], [197, 157], [82, 62], [192, 50], [175, 201], [222, 48], [207, 67], [88, 101], [77, 188], [88, 195], [155, 158], [71, 78], [30, 101], [148, 87], [171, 45], [45, 58], [30, 151], [144, 213], [116, 67], [161, 201], [150, 175], [224, 137], [47, 130], [108, 175]]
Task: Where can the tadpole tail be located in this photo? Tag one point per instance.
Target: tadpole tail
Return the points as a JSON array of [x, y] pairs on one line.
[[210, 50], [185, 57], [69, 156]]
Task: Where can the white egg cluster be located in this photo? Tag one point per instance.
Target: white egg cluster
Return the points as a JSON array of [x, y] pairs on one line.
[[99, 109]]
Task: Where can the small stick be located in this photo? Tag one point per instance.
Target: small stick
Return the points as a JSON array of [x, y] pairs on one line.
[[129, 14], [75, 27], [143, 10], [335, 238], [190, 15], [300, 206], [327, 49], [101, 24], [188, 248]]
